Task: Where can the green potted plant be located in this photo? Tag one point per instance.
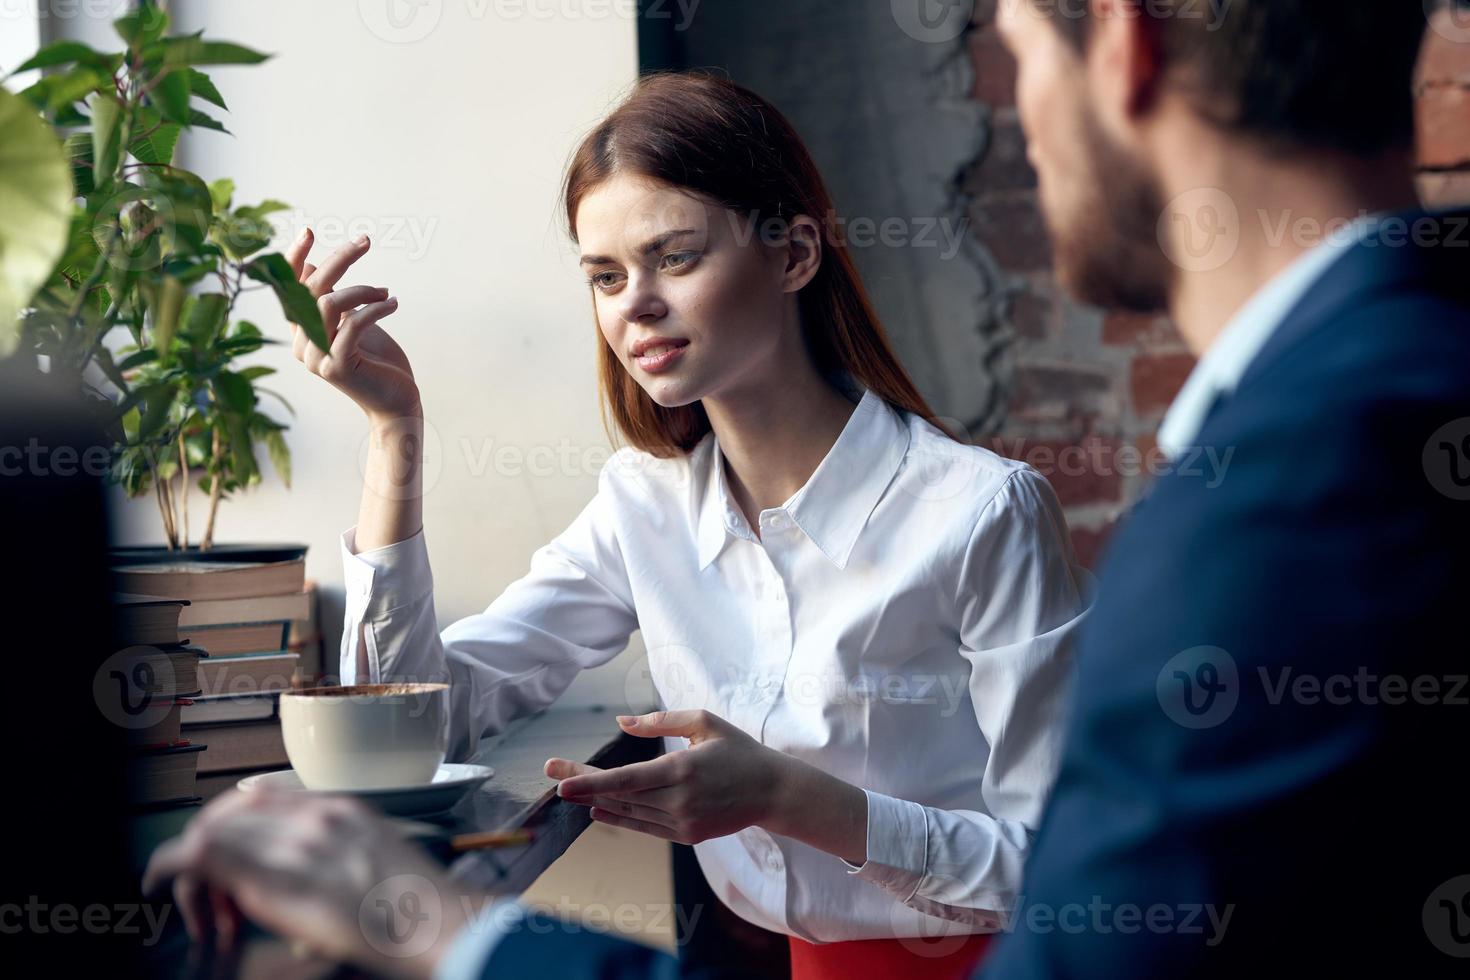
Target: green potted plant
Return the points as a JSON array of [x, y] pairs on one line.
[[152, 248]]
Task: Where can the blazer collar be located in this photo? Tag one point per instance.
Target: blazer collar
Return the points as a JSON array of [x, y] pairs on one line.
[[1388, 258]]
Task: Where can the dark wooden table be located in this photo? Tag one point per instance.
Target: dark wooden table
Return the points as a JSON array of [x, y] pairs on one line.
[[519, 796]]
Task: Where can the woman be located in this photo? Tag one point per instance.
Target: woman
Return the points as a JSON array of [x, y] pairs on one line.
[[858, 623]]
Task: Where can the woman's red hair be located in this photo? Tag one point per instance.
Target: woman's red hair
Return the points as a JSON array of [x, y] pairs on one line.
[[724, 143]]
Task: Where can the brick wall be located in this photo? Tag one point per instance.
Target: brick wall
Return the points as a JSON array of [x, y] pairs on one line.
[[1088, 388]]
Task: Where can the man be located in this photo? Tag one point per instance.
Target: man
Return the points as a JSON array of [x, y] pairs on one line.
[[1264, 760], [1259, 770]]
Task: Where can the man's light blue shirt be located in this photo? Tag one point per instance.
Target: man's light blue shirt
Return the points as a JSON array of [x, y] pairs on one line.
[[1225, 362]]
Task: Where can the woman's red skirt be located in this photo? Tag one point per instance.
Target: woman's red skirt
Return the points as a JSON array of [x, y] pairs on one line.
[[940, 958]]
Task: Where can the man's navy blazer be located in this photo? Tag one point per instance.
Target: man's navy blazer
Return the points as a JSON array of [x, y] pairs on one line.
[[1268, 761]]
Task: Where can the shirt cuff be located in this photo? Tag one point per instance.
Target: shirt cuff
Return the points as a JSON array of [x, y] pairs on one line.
[[381, 580], [470, 951], [898, 845]]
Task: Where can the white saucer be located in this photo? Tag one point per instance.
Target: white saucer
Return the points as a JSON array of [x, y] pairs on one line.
[[448, 787]]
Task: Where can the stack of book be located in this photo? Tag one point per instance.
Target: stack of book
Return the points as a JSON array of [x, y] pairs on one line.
[[144, 688], [243, 614], [305, 640]]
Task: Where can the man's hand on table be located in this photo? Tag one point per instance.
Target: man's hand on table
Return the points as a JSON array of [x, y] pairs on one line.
[[326, 872]]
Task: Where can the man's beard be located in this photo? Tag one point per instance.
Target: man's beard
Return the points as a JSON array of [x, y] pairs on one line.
[[1107, 252]]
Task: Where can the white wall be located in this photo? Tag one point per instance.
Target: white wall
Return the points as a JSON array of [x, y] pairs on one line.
[[19, 38], [444, 138]]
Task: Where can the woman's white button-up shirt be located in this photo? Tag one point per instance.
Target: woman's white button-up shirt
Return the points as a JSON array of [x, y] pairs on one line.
[[902, 622]]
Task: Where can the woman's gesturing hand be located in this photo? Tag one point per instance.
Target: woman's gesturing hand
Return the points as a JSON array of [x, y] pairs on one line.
[[724, 782], [364, 362]]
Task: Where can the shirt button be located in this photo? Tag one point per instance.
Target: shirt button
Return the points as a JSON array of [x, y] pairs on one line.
[[777, 521], [731, 522]]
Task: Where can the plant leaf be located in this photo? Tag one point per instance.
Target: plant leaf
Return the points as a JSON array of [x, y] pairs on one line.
[[242, 455], [296, 300], [205, 121], [166, 316], [194, 50], [78, 147], [157, 400], [142, 27], [69, 115], [35, 218], [157, 148], [222, 191], [280, 455], [70, 52], [137, 359], [280, 398], [55, 91], [106, 150], [186, 204], [206, 318], [203, 86], [257, 212], [235, 346], [234, 392], [171, 95]]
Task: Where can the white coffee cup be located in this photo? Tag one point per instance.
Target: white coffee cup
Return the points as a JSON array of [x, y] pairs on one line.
[[367, 736]]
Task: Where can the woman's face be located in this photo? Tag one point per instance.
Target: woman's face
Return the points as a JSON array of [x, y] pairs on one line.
[[690, 300]]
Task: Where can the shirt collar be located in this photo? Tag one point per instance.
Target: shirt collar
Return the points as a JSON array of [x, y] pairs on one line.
[[1220, 369], [834, 505]]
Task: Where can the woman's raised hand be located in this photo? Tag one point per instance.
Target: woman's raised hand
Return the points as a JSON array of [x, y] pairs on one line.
[[364, 363]]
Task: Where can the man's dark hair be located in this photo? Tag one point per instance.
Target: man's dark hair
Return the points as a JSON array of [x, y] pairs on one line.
[[1298, 74]]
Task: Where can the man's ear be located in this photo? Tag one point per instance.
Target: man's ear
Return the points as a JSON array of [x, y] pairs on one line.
[[802, 252], [1124, 62]]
